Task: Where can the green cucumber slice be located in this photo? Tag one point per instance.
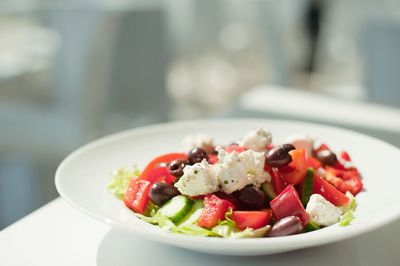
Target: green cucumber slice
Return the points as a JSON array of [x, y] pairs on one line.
[[269, 190], [176, 208], [193, 215], [308, 186]]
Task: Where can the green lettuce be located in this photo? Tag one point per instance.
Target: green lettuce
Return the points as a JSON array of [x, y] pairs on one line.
[[346, 218], [348, 210], [120, 181], [226, 228]]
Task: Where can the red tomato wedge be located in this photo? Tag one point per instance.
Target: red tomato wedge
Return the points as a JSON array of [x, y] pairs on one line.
[[251, 219], [166, 158], [329, 192], [298, 165], [214, 210], [277, 182], [287, 203], [137, 195]]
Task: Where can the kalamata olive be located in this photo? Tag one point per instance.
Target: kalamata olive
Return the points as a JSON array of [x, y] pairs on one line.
[[289, 225], [279, 156], [251, 197], [197, 155], [162, 192], [326, 157], [176, 167]]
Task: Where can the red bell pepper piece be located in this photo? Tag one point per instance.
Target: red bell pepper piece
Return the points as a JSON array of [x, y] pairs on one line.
[[166, 158], [287, 203], [322, 147], [312, 162], [251, 219], [344, 180], [214, 210], [137, 195], [298, 166], [159, 174], [329, 192]]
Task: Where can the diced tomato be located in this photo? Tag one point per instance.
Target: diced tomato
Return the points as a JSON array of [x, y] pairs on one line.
[[344, 180], [312, 162], [251, 219], [234, 147], [277, 182], [287, 203], [345, 156], [229, 197], [166, 158], [299, 166], [329, 192], [213, 158], [137, 195], [214, 210]]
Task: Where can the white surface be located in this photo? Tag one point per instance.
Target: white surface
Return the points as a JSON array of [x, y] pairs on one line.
[[82, 178], [59, 235], [307, 105]]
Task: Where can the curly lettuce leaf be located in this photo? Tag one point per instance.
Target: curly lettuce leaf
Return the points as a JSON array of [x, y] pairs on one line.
[[120, 181]]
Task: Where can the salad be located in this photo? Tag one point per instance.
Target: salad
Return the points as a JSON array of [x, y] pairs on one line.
[[250, 188]]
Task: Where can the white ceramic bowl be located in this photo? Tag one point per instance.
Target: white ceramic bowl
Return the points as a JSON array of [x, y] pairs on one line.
[[82, 179]]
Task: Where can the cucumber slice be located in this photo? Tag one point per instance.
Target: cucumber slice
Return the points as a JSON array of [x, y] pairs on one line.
[[176, 208], [308, 186], [193, 215], [311, 226], [269, 190]]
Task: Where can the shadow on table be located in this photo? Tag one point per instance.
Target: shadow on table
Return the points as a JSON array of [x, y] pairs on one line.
[[380, 247]]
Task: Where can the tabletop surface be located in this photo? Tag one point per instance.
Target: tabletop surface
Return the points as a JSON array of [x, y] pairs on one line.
[[57, 234]]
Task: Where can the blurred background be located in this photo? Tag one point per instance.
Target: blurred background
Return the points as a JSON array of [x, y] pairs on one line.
[[73, 71]]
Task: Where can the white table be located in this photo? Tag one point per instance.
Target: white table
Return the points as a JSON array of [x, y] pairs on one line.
[[57, 234]]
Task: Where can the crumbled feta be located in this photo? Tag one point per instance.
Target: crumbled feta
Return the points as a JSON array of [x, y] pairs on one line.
[[239, 170], [322, 211], [256, 140], [303, 141], [221, 153], [198, 141], [198, 179]]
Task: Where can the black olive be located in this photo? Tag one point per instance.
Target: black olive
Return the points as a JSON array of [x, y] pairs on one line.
[[251, 197], [289, 225], [176, 167], [279, 156], [326, 157], [197, 155], [162, 192]]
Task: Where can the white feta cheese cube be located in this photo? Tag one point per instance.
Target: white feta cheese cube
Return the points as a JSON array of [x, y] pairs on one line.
[[198, 179], [256, 140], [322, 211]]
